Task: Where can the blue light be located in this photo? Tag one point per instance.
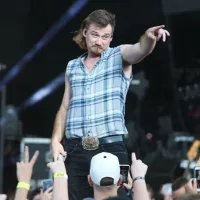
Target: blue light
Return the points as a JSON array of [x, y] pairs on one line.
[[43, 92]]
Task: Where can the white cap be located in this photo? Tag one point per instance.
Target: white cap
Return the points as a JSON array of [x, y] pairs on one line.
[[104, 165]]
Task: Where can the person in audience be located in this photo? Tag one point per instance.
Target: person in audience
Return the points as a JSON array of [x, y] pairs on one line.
[[38, 194], [182, 186], [60, 186], [104, 176], [91, 115], [24, 174], [34, 195]]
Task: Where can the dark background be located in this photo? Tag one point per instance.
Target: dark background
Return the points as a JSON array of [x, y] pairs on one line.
[[23, 23]]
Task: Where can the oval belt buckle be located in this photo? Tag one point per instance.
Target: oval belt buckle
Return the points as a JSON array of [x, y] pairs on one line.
[[90, 143]]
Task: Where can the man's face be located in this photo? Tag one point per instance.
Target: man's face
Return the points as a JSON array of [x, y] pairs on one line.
[[97, 39], [178, 193]]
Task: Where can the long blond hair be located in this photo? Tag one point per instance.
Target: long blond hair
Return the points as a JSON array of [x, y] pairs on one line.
[[99, 17]]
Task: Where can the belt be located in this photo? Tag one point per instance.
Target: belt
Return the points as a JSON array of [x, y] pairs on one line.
[[104, 140], [111, 139]]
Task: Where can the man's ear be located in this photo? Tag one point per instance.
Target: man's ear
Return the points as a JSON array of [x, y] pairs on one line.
[[84, 32], [90, 181], [119, 181]]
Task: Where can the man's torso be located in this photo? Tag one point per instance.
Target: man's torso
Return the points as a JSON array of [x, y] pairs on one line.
[[98, 97]]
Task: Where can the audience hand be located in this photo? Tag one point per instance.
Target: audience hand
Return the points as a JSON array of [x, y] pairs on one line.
[[138, 168], [47, 195], [191, 186], [57, 166], [129, 185], [25, 169], [57, 149]]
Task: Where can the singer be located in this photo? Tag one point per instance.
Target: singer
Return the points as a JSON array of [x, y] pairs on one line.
[[91, 115]]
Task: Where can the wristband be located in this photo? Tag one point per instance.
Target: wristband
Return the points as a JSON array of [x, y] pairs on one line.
[[60, 175], [138, 178], [23, 185]]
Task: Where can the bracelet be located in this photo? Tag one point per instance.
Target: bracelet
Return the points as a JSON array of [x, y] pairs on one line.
[[23, 185], [138, 178], [60, 175]]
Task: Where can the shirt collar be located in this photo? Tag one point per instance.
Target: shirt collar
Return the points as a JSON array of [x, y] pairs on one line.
[[103, 54]]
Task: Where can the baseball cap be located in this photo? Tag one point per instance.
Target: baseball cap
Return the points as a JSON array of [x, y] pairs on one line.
[[104, 165]]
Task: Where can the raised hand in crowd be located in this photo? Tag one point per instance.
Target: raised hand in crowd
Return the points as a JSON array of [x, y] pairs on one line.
[[60, 187], [138, 171], [24, 174], [138, 168], [47, 195]]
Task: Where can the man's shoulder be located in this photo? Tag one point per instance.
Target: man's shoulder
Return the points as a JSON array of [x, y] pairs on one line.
[[112, 51], [74, 61], [72, 64], [88, 198]]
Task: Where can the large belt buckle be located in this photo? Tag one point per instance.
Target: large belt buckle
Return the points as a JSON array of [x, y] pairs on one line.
[[90, 143]]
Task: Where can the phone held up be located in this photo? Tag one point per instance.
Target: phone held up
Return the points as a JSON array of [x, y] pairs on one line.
[[124, 170], [46, 184]]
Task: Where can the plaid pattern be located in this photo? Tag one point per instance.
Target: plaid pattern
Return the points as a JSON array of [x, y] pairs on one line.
[[97, 106]]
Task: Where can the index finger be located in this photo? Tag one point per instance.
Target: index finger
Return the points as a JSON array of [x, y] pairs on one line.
[[133, 157], [34, 158], [158, 27], [26, 154]]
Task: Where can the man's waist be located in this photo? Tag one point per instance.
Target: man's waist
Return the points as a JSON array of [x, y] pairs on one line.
[[103, 140]]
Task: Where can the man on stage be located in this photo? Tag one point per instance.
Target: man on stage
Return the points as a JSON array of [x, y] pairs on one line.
[[91, 115]]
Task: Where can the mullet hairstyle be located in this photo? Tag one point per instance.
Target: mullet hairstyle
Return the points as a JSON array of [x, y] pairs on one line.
[[100, 18]]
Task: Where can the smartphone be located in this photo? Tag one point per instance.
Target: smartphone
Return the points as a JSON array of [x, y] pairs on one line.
[[46, 184], [197, 176], [124, 170]]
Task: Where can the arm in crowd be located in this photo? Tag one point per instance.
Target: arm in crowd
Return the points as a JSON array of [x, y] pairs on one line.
[[138, 171], [24, 173], [60, 191]]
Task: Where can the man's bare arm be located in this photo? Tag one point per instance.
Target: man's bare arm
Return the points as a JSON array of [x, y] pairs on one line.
[[133, 54], [61, 116], [59, 124]]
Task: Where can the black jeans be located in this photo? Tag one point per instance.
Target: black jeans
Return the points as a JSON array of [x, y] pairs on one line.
[[78, 165]]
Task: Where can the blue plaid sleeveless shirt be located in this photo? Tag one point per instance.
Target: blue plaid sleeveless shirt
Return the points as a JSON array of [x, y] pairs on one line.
[[97, 105]]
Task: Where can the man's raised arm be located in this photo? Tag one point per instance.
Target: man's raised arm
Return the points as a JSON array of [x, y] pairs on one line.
[[133, 54]]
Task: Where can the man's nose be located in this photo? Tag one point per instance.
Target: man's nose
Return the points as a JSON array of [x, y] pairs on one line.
[[98, 41]]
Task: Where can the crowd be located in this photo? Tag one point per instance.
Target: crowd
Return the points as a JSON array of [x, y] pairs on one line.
[[105, 179]]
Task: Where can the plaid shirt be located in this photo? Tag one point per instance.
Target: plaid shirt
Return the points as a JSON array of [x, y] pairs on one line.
[[97, 106]]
